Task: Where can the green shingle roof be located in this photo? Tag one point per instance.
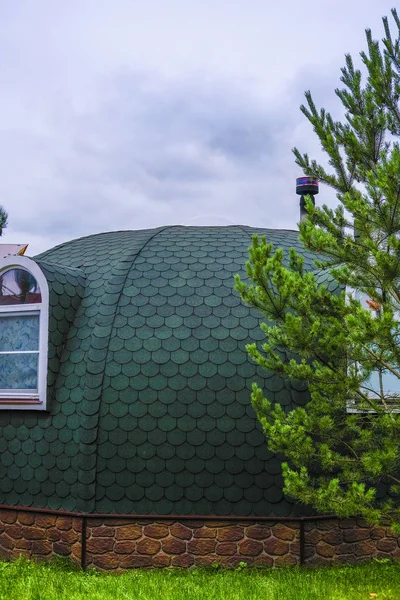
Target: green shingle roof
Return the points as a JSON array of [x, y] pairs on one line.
[[149, 381]]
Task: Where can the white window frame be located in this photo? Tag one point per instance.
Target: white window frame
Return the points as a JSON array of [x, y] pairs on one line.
[[22, 399], [351, 404]]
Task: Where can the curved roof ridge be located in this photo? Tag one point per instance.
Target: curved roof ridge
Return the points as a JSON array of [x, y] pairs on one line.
[[47, 263], [92, 395], [44, 254], [242, 227], [105, 233]]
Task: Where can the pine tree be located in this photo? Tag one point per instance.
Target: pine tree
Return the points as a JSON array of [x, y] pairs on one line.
[[342, 447], [3, 220]]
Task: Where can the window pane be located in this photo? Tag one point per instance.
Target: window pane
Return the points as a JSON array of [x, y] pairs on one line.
[[18, 371], [391, 383], [20, 332], [18, 286]]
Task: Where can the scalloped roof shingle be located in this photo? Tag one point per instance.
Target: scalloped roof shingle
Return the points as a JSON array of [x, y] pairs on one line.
[[149, 381]]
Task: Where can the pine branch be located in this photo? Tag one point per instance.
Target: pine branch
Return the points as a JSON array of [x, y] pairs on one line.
[[332, 345], [3, 220]]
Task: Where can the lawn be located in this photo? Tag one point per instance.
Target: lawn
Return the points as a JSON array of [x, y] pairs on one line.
[[23, 580]]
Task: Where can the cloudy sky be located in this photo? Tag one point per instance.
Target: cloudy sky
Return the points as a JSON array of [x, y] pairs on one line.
[[129, 114]]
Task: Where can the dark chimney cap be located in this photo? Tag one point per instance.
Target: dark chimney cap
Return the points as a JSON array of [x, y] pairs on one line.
[[306, 185]]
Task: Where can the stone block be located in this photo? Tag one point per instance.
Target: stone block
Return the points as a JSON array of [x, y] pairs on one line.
[[128, 532], [64, 523], [173, 545], [4, 553], [61, 548], [33, 533], [201, 546], [181, 531], [161, 560], [124, 547], [250, 547], [378, 533], [42, 547], [148, 546], [156, 530], [76, 551], [345, 559], [53, 534], [318, 561], [102, 531], [206, 561], [184, 560], [232, 561], [107, 562], [258, 532], [364, 548], [295, 546], [133, 561], [264, 560], [45, 521], [77, 525], [325, 550], [6, 542], [70, 536], [286, 560], [226, 548], [283, 532], [356, 535], [276, 547], [205, 532], [345, 549], [99, 545], [386, 545], [313, 536], [14, 531], [23, 544], [334, 536], [232, 533], [16, 553], [10, 516]]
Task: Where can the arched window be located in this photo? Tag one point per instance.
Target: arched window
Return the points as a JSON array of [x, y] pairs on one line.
[[24, 302]]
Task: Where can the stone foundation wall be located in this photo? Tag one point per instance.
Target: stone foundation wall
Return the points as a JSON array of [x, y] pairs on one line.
[[115, 544], [347, 541], [39, 535]]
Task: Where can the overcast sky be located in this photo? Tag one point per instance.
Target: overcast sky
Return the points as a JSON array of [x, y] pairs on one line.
[[128, 114]]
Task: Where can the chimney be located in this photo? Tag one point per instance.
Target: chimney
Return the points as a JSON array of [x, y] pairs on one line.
[[306, 186]]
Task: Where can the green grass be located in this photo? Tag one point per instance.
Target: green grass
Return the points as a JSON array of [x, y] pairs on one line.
[[23, 580]]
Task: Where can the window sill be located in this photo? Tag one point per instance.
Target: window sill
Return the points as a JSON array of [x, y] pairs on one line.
[[352, 408], [7, 402]]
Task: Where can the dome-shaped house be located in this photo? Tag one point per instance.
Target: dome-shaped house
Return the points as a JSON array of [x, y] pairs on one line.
[[127, 436]]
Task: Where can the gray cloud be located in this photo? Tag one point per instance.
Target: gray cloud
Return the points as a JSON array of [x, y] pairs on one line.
[[113, 119], [156, 150]]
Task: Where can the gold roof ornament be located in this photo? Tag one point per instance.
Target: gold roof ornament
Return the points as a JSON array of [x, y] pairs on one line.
[[12, 250]]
